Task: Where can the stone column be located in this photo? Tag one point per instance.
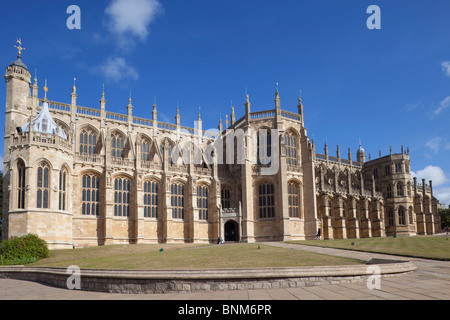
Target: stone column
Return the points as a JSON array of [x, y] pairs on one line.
[[167, 209], [139, 208], [283, 210], [248, 232], [191, 212], [341, 228], [420, 219], [109, 206], [366, 231], [309, 189]]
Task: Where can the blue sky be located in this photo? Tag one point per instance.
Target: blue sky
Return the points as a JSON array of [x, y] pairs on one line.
[[387, 87]]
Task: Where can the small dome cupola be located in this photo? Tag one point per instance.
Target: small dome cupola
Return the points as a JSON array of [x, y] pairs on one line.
[[19, 62], [361, 154]]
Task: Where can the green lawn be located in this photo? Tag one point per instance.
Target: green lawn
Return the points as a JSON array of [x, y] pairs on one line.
[[430, 247], [187, 256]]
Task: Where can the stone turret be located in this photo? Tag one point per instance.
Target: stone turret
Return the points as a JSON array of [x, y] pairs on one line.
[[361, 155]]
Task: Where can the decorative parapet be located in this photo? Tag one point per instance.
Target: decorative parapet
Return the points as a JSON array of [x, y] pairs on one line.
[[202, 171], [90, 158], [262, 114], [150, 165], [56, 106], [345, 162], [124, 162], [38, 139], [175, 168], [88, 112]]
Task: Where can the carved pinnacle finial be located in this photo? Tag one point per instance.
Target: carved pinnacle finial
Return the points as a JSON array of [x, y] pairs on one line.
[[45, 90]]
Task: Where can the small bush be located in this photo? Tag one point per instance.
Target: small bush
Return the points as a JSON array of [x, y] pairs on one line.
[[23, 250]]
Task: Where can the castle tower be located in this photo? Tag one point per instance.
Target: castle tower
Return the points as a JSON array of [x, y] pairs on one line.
[[392, 176], [38, 164], [18, 99]]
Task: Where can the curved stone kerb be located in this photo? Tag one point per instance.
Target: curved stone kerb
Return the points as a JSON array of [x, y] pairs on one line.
[[222, 274]]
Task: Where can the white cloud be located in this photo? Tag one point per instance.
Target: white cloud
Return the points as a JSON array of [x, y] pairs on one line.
[[433, 173], [443, 195], [447, 146], [446, 67], [434, 144], [132, 17], [116, 69], [442, 106]]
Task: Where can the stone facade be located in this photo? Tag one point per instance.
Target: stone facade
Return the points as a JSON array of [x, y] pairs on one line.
[[107, 178]]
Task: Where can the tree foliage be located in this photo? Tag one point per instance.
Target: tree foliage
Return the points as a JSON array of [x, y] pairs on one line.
[[445, 218]]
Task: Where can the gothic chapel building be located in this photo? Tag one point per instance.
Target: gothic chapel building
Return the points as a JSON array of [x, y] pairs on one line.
[[79, 176]]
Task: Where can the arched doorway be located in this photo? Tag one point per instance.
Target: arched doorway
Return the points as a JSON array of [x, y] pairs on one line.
[[231, 231]]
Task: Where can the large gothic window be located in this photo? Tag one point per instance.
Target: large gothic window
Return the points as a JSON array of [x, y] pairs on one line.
[[266, 200], [43, 188], [389, 191], [293, 196], [117, 145], [225, 198], [390, 217], [90, 195], [151, 199], [290, 149], [63, 189], [400, 191], [177, 200], [21, 185], [88, 140], [401, 216], [202, 202], [122, 191], [264, 147], [145, 150]]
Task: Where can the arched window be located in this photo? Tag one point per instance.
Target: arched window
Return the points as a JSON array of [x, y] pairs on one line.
[[177, 200], [117, 144], [90, 195], [401, 216], [145, 150], [202, 202], [389, 191], [43, 188], [122, 191], [225, 198], [21, 185], [151, 199], [290, 149], [293, 196], [264, 147], [400, 189], [88, 140], [390, 217], [266, 200], [62, 189]]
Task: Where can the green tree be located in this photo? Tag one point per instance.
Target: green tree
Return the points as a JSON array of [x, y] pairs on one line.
[[445, 218]]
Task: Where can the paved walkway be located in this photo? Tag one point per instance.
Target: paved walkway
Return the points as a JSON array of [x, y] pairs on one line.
[[431, 281]]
